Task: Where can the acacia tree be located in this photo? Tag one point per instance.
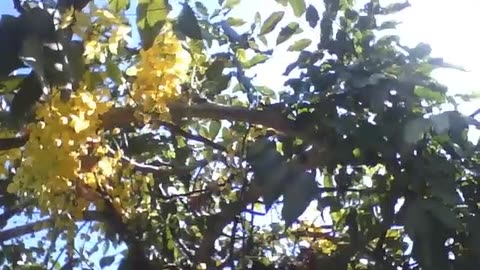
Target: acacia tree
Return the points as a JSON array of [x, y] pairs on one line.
[[148, 146]]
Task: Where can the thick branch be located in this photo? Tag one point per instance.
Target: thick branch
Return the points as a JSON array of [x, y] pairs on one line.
[[10, 143], [179, 131], [267, 118], [17, 5], [124, 117], [18, 231]]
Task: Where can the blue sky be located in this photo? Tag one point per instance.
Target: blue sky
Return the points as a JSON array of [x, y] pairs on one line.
[[449, 26]]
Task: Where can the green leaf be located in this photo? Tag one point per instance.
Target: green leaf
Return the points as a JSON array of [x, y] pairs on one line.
[[421, 51], [118, 5], [236, 21], [151, 16], [428, 94], [113, 71], [268, 92], [282, 2], [287, 32], [214, 128], [329, 201], [275, 182], [395, 7], [443, 214], [312, 16], [271, 22], [257, 59], [263, 40], [231, 3], [201, 8], [300, 45], [298, 196], [31, 54], [416, 222], [11, 83], [187, 23], [106, 261], [415, 129], [215, 69], [441, 123], [388, 25], [258, 18], [298, 7]]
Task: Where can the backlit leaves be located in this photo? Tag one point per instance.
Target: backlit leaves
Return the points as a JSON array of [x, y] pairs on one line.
[[118, 5], [300, 44], [298, 7], [231, 3], [151, 16], [271, 22], [287, 32]]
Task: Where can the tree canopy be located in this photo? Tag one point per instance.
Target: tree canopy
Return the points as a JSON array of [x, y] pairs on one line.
[[166, 154]]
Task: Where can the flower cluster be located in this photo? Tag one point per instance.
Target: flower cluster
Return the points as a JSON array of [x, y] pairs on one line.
[[51, 166], [158, 74], [67, 163]]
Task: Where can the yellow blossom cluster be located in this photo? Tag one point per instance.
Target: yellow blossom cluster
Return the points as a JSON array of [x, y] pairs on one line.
[[51, 165], [158, 74], [67, 164]]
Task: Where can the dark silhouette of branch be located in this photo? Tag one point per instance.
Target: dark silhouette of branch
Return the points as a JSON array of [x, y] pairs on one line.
[[17, 5], [19, 231], [179, 131], [11, 143], [475, 113], [268, 118]]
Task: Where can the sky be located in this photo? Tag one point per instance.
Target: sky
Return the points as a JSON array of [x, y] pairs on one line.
[[450, 27]]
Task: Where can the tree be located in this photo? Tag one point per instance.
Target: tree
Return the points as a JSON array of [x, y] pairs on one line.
[[171, 150]]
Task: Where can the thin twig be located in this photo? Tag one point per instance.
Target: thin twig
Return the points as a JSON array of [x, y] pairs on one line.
[[179, 131]]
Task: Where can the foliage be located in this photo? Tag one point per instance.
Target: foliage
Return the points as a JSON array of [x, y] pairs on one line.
[[168, 152]]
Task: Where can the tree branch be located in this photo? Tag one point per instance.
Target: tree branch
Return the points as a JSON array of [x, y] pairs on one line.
[[267, 118], [124, 117], [216, 223], [17, 5], [179, 131], [10, 143], [18, 231]]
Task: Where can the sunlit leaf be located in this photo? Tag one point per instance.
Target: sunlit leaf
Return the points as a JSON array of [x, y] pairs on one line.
[[271, 22], [287, 32], [300, 45], [231, 3], [268, 92], [214, 128], [298, 7], [236, 21], [118, 5], [151, 16], [257, 59]]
